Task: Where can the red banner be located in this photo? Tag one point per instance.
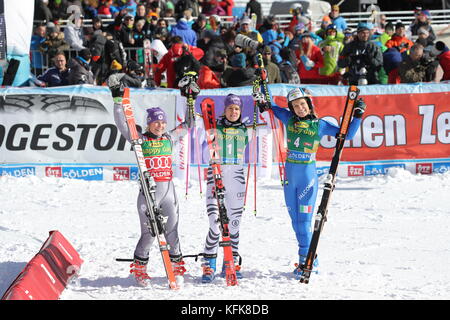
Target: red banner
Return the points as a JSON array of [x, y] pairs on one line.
[[401, 126]]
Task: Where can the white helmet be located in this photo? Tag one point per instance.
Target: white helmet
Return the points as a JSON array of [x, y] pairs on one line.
[[295, 6], [300, 93]]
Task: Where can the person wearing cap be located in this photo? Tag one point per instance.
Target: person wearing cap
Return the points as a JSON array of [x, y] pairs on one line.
[[423, 20], [273, 72], [424, 39], [73, 32], [80, 69], [296, 10], [362, 58], [239, 74], [54, 42], [331, 47], [247, 31], [157, 149], [310, 59], [399, 38], [337, 19], [322, 32], [199, 26], [442, 54], [233, 139], [304, 130]]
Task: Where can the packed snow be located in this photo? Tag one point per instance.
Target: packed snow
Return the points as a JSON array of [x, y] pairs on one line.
[[387, 237]]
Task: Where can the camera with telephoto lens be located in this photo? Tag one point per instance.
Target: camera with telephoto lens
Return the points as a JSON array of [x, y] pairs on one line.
[[246, 42], [358, 67]]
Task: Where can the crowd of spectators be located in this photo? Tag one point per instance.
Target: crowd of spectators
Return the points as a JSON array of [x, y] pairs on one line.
[[202, 39]]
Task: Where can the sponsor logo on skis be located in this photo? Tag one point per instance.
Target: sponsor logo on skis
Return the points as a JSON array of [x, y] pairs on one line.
[[355, 171], [84, 173], [18, 171], [424, 168], [121, 173], [55, 172]]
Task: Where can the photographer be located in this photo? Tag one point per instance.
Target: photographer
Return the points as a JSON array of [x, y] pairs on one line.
[[362, 57], [417, 66]]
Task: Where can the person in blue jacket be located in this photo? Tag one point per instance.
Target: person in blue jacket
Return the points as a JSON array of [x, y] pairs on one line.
[[183, 30], [304, 132]]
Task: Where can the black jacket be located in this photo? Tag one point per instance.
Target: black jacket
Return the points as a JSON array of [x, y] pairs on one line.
[[79, 72], [358, 54]]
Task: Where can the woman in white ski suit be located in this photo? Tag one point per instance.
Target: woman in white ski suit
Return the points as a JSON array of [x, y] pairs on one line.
[[233, 139]]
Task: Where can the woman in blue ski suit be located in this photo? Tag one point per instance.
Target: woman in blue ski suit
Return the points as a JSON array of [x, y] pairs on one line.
[[304, 131]]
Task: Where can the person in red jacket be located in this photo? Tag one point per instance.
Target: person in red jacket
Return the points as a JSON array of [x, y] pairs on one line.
[[227, 6], [443, 55], [207, 79], [310, 59], [167, 63]]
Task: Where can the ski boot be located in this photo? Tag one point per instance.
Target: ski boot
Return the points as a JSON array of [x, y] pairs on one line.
[[298, 271], [139, 269], [237, 267], [209, 268], [178, 269]]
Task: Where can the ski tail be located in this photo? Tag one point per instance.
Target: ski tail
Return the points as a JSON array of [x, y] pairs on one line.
[[148, 188], [321, 216], [209, 120]]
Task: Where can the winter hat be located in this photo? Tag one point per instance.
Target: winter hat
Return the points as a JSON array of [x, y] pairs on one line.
[[389, 26], [299, 26], [423, 31], [233, 99], [267, 49], [156, 114], [85, 54], [399, 24], [362, 26], [246, 20], [238, 60], [439, 48]]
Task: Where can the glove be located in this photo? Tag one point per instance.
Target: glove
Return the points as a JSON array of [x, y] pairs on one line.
[[260, 101], [360, 108], [188, 85], [308, 63], [115, 85]]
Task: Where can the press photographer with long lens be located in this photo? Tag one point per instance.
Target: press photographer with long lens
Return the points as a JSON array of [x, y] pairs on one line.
[[362, 57]]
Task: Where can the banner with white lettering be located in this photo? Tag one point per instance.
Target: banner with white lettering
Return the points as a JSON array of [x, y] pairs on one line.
[[70, 131]]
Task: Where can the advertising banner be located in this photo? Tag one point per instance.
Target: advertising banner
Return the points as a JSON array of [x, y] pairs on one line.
[[70, 131]]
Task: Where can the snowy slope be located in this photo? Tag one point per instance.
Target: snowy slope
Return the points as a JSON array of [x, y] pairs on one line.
[[386, 238]]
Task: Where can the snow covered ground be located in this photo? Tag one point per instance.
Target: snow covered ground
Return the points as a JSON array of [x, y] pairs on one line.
[[387, 237]]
